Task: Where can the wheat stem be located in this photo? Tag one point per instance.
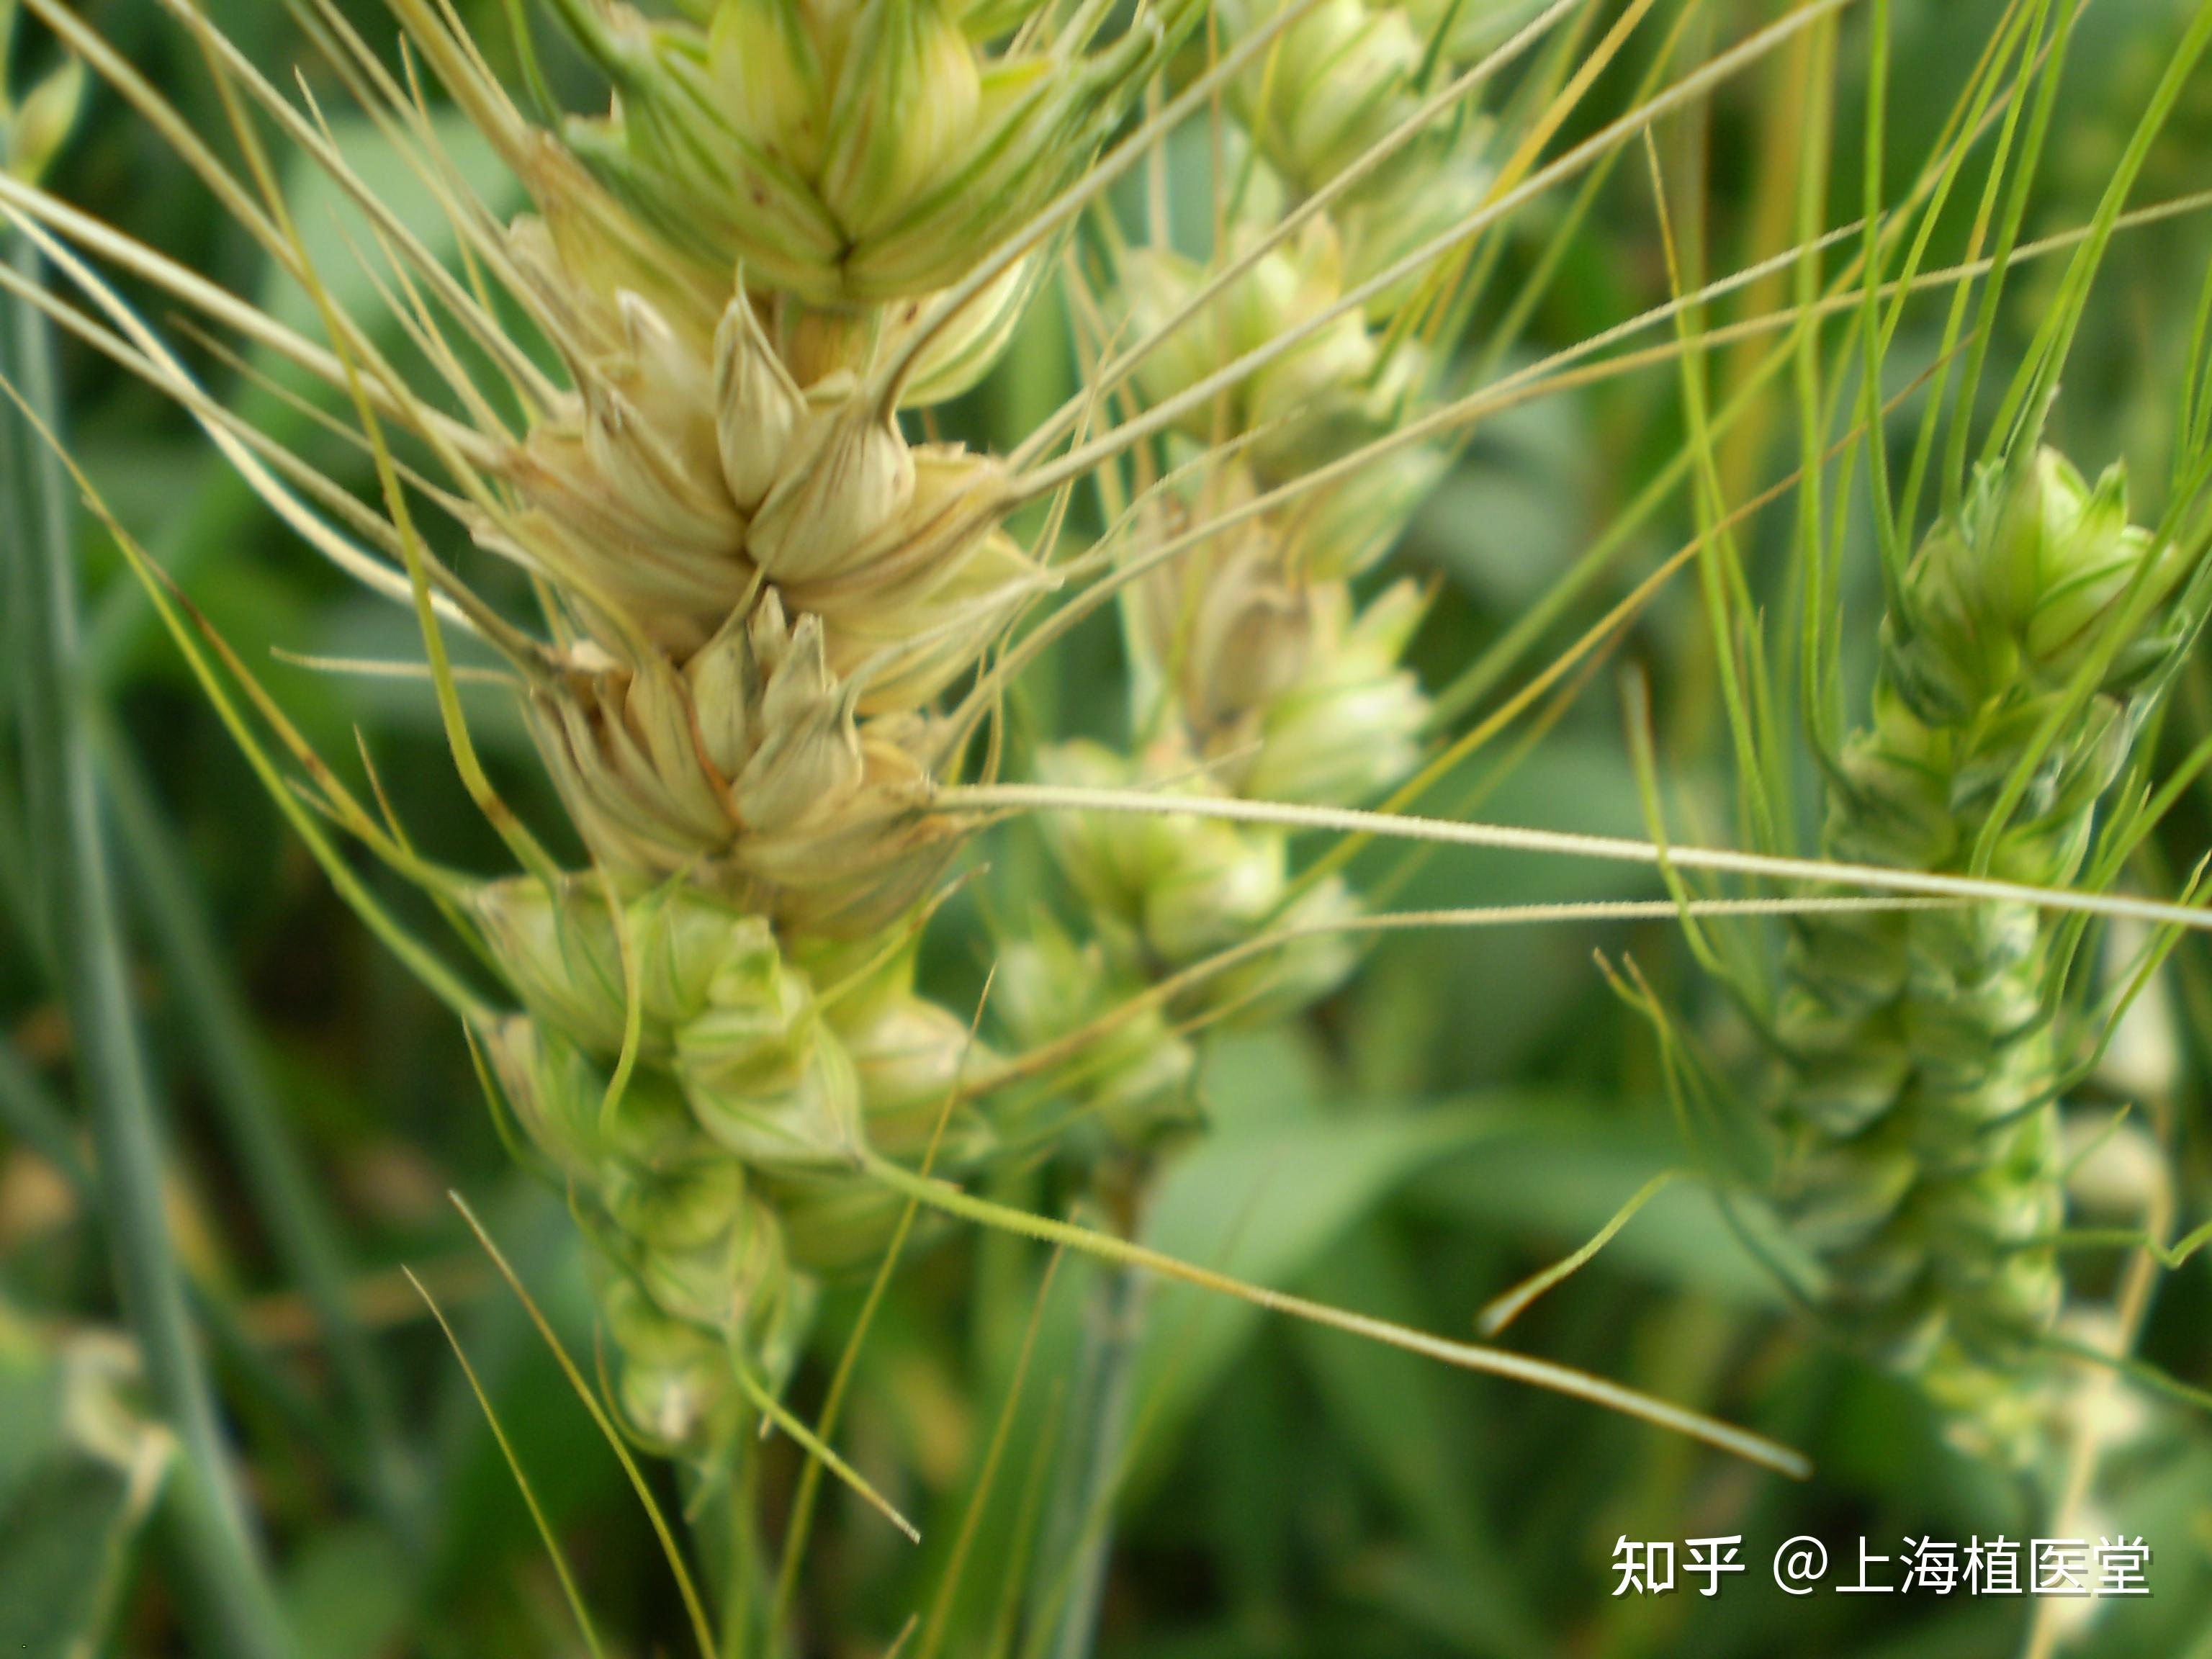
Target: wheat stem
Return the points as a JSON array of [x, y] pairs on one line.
[[85, 928], [314, 1254]]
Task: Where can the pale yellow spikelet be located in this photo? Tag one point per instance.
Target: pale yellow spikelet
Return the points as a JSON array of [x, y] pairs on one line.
[[848, 473], [757, 406]]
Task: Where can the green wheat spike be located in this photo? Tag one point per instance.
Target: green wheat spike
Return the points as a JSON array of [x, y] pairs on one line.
[[1925, 1050]]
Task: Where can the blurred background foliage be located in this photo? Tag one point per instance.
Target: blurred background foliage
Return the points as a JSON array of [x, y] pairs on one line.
[[1474, 1106]]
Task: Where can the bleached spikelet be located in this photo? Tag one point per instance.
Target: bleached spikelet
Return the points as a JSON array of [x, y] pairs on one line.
[[1351, 729], [848, 473], [1181, 886], [757, 408]]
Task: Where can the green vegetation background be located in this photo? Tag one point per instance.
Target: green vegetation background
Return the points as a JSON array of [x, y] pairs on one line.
[[1474, 1106]]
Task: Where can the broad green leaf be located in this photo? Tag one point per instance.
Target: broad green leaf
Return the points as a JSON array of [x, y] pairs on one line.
[[349, 1594], [1551, 1185], [1265, 1204]]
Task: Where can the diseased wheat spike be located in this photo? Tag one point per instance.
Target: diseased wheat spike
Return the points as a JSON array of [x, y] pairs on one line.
[[1257, 670], [1923, 1166], [758, 585]]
